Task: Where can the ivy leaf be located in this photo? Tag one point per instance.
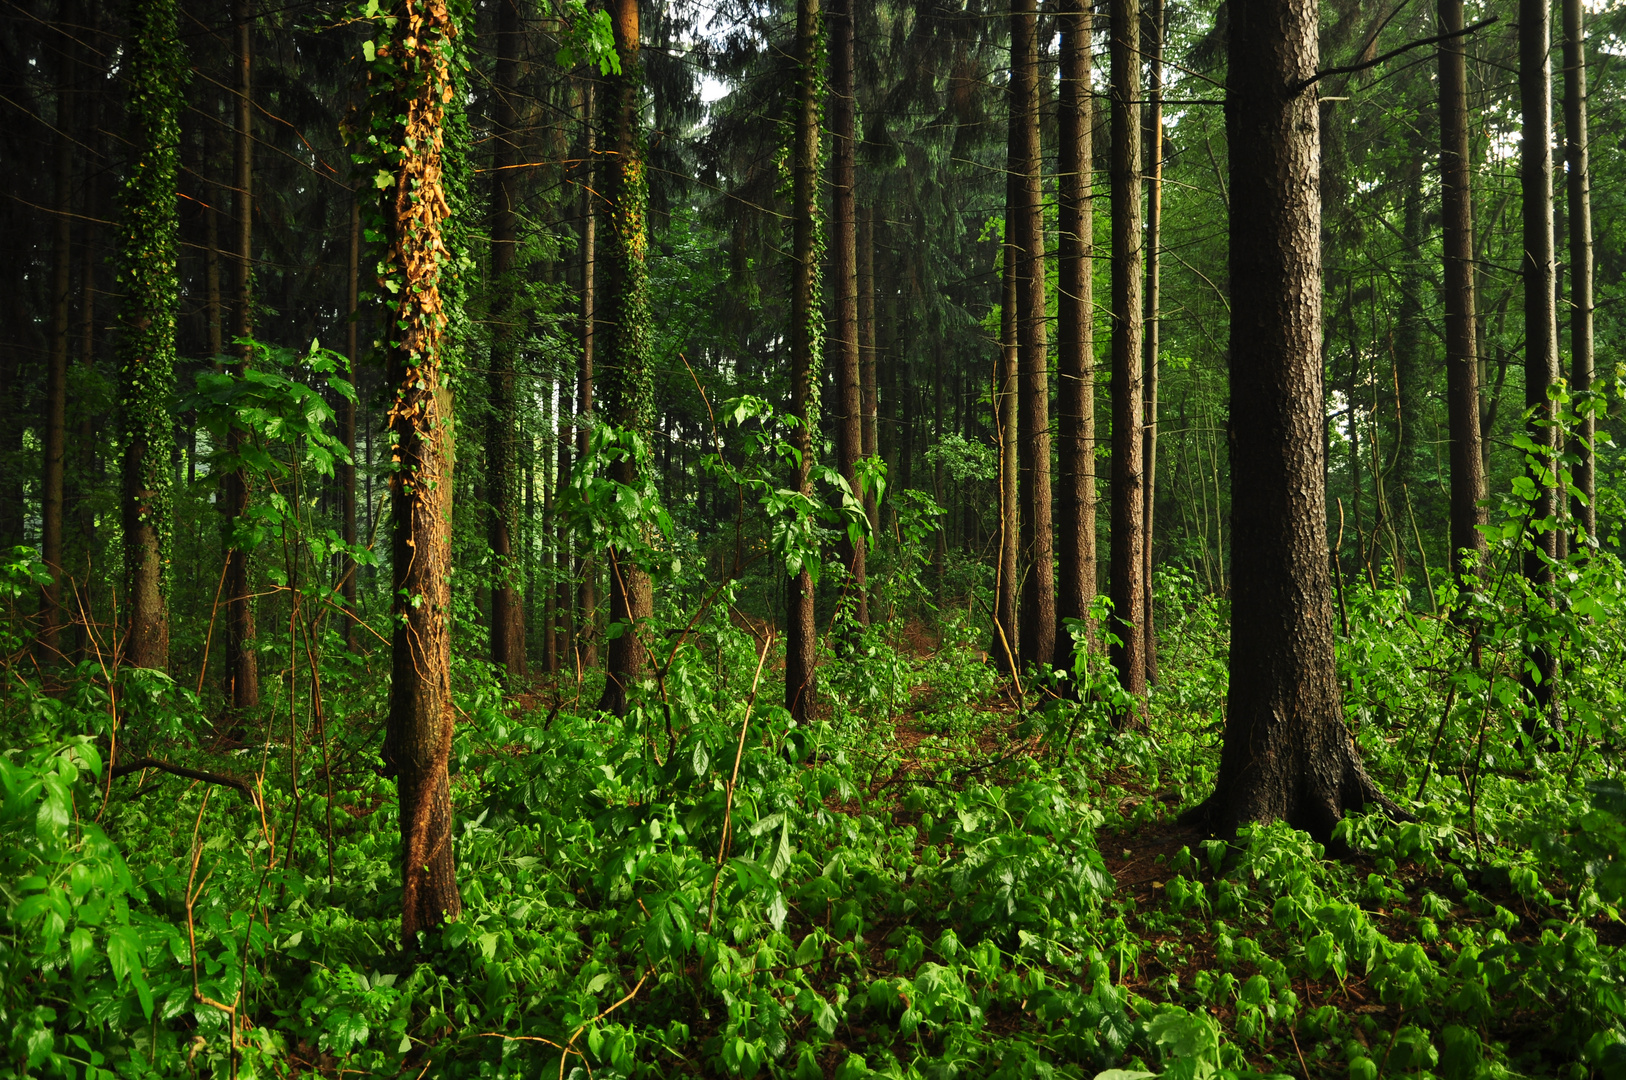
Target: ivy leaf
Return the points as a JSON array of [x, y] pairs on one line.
[[383, 179]]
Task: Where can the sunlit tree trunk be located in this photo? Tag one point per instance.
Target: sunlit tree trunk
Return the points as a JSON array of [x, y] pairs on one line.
[[844, 280], [1153, 301], [1578, 181], [586, 564], [1004, 644], [242, 668], [807, 331], [418, 739]]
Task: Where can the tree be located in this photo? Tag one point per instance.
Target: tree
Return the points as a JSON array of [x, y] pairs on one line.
[[1128, 402], [844, 279], [586, 565], [347, 430], [622, 320], [806, 337], [1155, 16], [1287, 754], [1075, 337], [502, 467], [417, 81], [1461, 348], [1578, 189], [149, 230], [1036, 563], [242, 669]]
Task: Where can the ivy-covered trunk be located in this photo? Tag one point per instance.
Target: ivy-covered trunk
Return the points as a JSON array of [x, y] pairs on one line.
[[622, 347], [149, 233], [414, 77]]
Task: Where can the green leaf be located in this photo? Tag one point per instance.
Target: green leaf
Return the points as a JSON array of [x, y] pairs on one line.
[[124, 952], [80, 945]]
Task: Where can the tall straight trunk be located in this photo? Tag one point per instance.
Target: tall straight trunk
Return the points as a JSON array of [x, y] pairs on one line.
[[1286, 754], [52, 615], [866, 351], [1154, 299], [418, 737], [1128, 403], [1461, 324], [564, 592], [556, 404], [83, 579], [213, 309], [1410, 332], [1540, 314], [1036, 557], [623, 346], [586, 565], [1075, 332], [242, 669], [1578, 189], [801, 634], [149, 234], [844, 282], [1004, 644], [507, 608], [347, 432]]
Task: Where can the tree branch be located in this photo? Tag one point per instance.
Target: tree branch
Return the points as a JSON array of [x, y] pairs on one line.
[[1350, 69], [236, 783]]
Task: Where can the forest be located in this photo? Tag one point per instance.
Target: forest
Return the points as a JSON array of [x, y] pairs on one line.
[[812, 539]]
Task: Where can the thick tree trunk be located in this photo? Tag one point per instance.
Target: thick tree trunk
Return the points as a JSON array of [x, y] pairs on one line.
[[1075, 334], [1036, 556], [1461, 348], [844, 282], [507, 609], [1004, 644], [1540, 315], [418, 738], [1578, 181], [624, 367], [1128, 403], [52, 615], [586, 564], [801, 632], [1287, 754], [148, 242], [347, 432], [1154, 300], [242, 669], [866, 352]]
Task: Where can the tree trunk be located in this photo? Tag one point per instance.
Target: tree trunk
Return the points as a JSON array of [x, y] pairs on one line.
[[1461, 348], [801, 634], [347, 432], [48, 644], [866, 352], [418, 739], [148, 243], [1154, 300], [1287, 754], [507, 610], [242, 669], [844, 282], [1578, 180], [1075, 333], [624, 366], [1036, 557], [1128, 405], [1004, 644], [586, 565], [1540, 316]]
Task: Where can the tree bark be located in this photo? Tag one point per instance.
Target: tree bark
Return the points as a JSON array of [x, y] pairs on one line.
[[586, 565], [1036, 557], [1004, 644], [1154, 300], [1287, 754], [1578, 181], [507, 608], [624, 364], [242, 669], [1461, 347], [347, 432], [866, 352], [844, 283], [418, 738], [148, 243], [1075, 333], [801, 636], [1540, 317], [1128, 402]]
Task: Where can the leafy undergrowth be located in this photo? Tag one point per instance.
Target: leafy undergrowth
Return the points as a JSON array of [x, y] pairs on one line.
[[933, 880]]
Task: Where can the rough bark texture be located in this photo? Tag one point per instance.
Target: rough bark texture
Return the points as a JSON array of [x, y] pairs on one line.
[[1578, 189], [502, 480], [1036, 557], [1287, 754], [866, 351], [1004, 644], [1075, 334], [1128, 403], [418, 738], [1540, 313], [844, 282], [623, 343], [242, 668], [801, 632], [1461, 348], [347, 432], [586, 565], [1154, 300], [148, 241]]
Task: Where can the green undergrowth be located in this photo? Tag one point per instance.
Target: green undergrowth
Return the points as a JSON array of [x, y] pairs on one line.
[[932, 880]]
